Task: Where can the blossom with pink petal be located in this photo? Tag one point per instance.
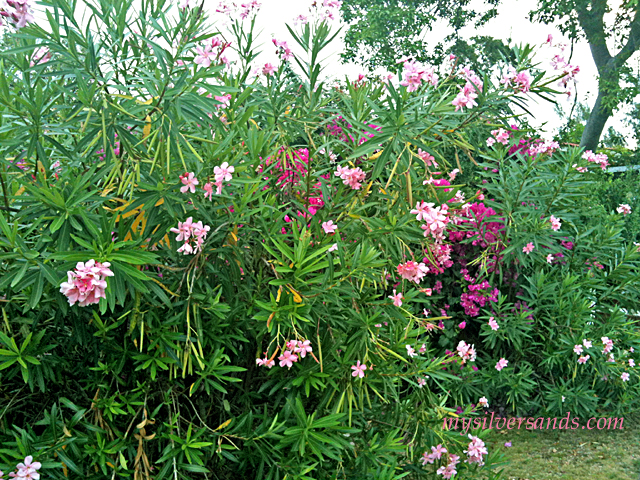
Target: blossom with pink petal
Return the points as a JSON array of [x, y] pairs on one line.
[[189, 182], [501, 364], [625, 377], [493, 324], [86, 284], [358, 369], [287, 359], [397, 298], [624, 209], [329, 227], [528, 248]]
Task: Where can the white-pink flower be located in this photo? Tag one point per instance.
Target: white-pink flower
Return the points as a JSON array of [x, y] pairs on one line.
[[358, 369], [528, 248], [493, 324], [578, 349], [287, 359], [329, 227], [501, 364], [86, 285], [303, 347], [333, 247], [397, 298], [466, 352], [223, 172], [268, 69], [555, 223], [625, 377], [189, 182], [265, 362], [413, 271], [204, 56], [583, 359], [624, 209], [483, 402]]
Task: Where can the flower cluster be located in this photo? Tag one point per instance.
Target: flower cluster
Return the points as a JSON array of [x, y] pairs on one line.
[[436, 219], [478, 296], [295, 349], [466, 352], [116, 149], [283, 49], [519, 81], [555, 223], [193, 235], [476, 450], [599, 159], [500, 136], [86, 284], [436, 454], [352, 177], [211, 53], [27, 470], [412, 271], [450, 470], [20, 15], [624, 209], [414, 74]]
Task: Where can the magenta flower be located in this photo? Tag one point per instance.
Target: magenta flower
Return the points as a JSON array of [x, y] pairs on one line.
[[358, 369], [462, 325], [501, 364], [397, 298], [189, 182], [528, 248]]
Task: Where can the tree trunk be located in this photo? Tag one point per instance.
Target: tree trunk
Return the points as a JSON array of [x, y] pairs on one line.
[[595, 124]]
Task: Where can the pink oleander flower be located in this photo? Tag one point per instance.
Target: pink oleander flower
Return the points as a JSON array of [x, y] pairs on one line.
[[423, 348], [501, 364], [599, 159], [204, 56], [86, 285], [476, 451], [493, 324], [550, 258], [351, 177], [397, 298], [555, 223], [449, 471], [287, 359], [421, 382], [303, 347], [333, 248], [265, 362], [358, 369], [463, 101], [624, 209], [412, 271], [583, 359], [268, 69], [578, 349], [625, 377], [466, 352], [411, 351], [208, 190], [427, 158], [40, 55], [223, 172], [189, 182], [300, 19], [483, 402], [329, 227], [528, 248], [587, 344], [422, 210], [632, 362], [435, 454], [608, 345]]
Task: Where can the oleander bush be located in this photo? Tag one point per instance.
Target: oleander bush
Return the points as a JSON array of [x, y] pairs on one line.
[[213, 270]]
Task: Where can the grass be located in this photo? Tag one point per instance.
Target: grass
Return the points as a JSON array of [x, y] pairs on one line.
[[571, 454]]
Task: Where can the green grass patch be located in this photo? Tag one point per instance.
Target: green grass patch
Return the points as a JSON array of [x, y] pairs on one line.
[[571, 455]]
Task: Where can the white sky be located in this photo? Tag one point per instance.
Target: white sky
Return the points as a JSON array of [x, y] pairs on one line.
[[511, 22]]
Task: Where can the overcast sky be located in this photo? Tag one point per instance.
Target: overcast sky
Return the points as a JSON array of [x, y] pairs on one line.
[[511, 22]]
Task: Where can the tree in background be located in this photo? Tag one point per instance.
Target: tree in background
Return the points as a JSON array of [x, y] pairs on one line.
[[384, 30]]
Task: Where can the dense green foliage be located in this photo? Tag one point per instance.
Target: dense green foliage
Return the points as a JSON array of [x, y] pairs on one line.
[[159, 378]]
